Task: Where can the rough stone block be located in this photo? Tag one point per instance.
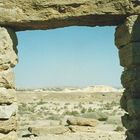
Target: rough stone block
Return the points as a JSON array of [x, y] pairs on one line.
[[130, 55], [45, 130], [132, 136], [130, 93], [130, 75], [130, 123], [8, 51], [7, 79], [7, 111], [10, 136], [7, 126], [82, 121], [7, 96], [41, 14], [134, 89], [133, 107], [123, 102], [130, 80], [128, 32]]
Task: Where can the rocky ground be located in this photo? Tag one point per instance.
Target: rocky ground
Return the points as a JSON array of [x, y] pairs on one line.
[[58, 115]]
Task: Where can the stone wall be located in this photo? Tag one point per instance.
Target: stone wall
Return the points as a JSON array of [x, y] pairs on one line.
[[50, 14], [127, 39], [8, 105]]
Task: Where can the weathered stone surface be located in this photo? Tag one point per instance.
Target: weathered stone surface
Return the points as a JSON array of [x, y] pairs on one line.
[[127, 39], [133, 88], [7, 96], [7, 111], [8, 51], [130, 93], [123, 102], [128, 32], [130, 75], [7, 79], [40, 14], [45, 130], [130, 55], [10, 136], [75, 128], [130, 80], [132, 136], [131, 123], [82, 121], [8, 125], [133, 106]]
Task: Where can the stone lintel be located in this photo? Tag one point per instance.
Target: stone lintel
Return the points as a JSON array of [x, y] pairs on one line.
[[50, 14]]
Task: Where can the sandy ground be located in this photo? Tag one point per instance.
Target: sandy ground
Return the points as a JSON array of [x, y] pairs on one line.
[[52, 109]]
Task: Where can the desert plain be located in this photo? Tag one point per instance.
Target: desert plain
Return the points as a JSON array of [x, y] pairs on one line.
[[91, 113]]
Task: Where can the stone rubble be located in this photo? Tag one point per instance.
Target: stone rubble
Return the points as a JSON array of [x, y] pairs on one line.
[[82, 121]]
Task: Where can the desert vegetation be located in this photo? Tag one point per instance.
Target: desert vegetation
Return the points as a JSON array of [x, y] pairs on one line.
[[45, 115]]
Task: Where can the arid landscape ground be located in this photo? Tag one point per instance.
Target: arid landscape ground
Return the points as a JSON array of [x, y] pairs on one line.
[[70, 114]]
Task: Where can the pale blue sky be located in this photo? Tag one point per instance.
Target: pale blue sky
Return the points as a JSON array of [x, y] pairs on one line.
[[71, 56]]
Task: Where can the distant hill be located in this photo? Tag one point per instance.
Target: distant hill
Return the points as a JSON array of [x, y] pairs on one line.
[[102, 88], [96, 88]]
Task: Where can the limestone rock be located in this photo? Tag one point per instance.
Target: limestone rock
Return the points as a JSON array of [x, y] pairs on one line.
[[7, 96], [130, 123], [123, 102], [130, 93], [45, 130], [130, 55], [128, 32], [10, 136], [130, 80], [8, 51], [75, 128], [7, 111], [41, 14], [132, 136], [8, 125], [130, 75], [82, 121], [133, 106], [7, 79], [133, 88]]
